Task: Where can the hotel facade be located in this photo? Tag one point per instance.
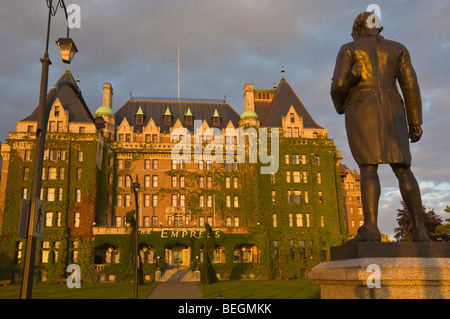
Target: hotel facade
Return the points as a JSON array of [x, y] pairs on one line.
[[266, 226]]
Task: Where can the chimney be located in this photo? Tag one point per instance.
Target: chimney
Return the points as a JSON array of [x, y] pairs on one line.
[[249, 97], [107, 95]]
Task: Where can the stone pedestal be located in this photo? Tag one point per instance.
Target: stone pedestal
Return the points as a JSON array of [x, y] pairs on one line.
[[385, 271], [158, 275]]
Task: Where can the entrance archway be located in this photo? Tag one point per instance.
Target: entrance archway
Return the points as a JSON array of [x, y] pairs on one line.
[[178, 255]]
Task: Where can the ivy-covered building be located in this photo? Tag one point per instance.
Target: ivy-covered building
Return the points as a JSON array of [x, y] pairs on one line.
[[275, 225]]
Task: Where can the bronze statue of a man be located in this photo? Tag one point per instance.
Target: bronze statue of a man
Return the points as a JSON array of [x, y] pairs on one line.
[[378, 121]]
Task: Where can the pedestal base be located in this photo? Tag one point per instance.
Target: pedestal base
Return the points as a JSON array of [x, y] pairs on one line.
[[385, 271], [158, 275]]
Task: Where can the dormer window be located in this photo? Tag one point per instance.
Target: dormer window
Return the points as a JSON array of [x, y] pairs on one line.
[[139, 117], [188, 118], [56, 111], [167, 117], [215, 119]]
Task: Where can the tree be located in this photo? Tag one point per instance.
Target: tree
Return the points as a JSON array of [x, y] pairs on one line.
[[404, 232], [207, 272], [444, 230]]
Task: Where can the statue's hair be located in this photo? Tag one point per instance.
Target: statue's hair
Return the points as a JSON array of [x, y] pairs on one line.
[[360, 24]]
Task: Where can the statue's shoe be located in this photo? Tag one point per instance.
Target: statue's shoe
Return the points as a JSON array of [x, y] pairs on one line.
[[365, 235]]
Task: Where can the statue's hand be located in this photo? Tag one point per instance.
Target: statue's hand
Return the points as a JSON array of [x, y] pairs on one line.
[[415, 133]]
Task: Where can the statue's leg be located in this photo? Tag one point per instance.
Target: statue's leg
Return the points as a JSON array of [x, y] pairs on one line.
[[370, 196], [410, 191]]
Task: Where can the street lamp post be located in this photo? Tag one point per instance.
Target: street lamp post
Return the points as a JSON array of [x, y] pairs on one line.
[[135, 189], [67, 50]]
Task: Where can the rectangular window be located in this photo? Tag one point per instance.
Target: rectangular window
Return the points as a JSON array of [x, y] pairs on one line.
[[201, 201], [201, 222], [274, 220], [58, 219], [228, 201], [81, 129], [48, 219], [227, 182], [201, 182], [235, 182], [155, 181], [154, 221], [297, 197], [291, 222], [304, 159], [306, 197], [296, 175], [296, 132], [53, 155], [146, 200], [60, 194], [146, 221], [79, 172], [236, 201], [319, 178], [295, 159], [27, 155], [50, 194], [308, 221], [174, 200], [299, 220], [61, 173], [305, 177], [127, 181], [77, 220], [287, 157], [154, 200], [155, 164], [127, 164], [26, 172], [208, 182], [79, 156], [320, 198], [119, 163], [174, 164], [274, 197], [119, 200], [78, 195], [127, 200], [288, 176], [236, 221], [209, 201], [147, 164], [174, 181], [24, 193], [147, 181], [200, 165], [182, 181]]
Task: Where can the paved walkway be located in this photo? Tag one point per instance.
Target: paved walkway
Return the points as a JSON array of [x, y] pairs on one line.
[[176, 290]]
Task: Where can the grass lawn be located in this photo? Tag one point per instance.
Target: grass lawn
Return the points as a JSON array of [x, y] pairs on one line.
[[261, 289], [87, 291]]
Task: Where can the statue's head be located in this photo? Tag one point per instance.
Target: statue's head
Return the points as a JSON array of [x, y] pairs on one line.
[[367, 23]]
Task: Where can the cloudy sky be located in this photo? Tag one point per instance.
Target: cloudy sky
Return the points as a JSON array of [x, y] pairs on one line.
[[224, 45]]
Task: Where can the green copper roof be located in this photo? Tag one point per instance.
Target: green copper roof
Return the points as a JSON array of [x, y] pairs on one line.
[[249, 114], [104, 110], [139, 112], [168, 112], [216, 114]]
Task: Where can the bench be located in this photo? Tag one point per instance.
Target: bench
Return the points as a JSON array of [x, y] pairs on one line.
[[5, 282]]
